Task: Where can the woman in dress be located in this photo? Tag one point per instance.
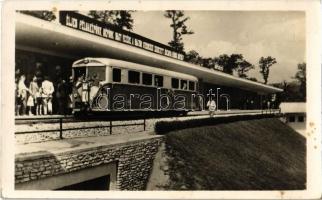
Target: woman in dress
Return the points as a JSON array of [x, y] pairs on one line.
[[33, 88]]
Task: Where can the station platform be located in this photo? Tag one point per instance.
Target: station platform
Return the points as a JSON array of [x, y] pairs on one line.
[[24, 151], [42, 116], [191, 113]]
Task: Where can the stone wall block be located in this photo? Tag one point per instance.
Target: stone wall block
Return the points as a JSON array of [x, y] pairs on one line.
[[134, 161]]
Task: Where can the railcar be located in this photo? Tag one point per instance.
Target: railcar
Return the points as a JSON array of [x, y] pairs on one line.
[[105, 85]]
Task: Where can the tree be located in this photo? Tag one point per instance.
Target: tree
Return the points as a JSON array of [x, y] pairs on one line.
[[223, 61], [285, 86], [107, 16], [179, 28], [124, 20], [208, 63], [300, 76], [291, 91], [194, 58], [264, 65], [229, 63], [234, 62], [243, 67], [42, 14], [121, 19]]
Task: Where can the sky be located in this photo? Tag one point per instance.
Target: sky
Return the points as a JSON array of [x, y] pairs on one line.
[[280, 34]]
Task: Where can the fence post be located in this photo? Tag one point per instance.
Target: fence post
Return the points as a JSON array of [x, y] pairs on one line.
[[144, 124], [110, 127], [61, 128]]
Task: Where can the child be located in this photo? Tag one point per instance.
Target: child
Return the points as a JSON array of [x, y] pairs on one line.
[[33, 88], [39, 102], [30, 104]]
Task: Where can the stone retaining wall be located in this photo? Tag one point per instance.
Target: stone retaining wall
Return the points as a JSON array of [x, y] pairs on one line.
[[135, 160]]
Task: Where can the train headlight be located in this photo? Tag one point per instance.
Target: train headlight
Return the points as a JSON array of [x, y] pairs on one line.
[[86, 61]]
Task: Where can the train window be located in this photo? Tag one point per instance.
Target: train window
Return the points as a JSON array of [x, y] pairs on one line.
[[191, 85], [134, 77], [147, 79], [79, 73], [116, 75], [175, 83], [158, 81], [96, 74], [184, 85]]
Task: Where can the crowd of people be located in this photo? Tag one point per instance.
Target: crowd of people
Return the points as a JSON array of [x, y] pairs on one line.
[[42, 96]]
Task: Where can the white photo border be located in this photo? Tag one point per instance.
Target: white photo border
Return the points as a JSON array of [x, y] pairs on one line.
[[313, 58]]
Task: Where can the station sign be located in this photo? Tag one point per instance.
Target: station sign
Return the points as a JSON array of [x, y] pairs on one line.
[[84, 23]]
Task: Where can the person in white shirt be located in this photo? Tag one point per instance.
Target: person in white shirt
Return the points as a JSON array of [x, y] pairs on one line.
[[211, 104], [47, 91], [23, 93]]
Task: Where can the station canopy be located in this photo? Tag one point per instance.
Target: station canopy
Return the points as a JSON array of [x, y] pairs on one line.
[[42, 36]]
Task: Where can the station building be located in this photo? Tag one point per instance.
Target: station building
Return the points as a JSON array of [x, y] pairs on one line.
[[294, 115], [54, 46]]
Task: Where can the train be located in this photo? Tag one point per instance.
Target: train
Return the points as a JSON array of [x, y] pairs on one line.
[[109, 85]]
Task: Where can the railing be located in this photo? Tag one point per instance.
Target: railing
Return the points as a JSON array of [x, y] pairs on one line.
[[61, 119]]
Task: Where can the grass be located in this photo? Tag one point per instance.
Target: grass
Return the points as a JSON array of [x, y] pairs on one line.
[[261, 154]]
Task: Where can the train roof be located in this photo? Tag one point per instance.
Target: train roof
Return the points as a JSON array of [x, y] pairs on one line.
[[130, 65]]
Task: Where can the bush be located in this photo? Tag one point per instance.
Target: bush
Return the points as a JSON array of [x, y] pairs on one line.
[[163, 127]]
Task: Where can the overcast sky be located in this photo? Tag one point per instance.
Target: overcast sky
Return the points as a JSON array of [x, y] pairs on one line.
[[253, 34]]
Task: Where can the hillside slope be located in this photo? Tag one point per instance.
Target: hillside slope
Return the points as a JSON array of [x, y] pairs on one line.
[[259, 154]]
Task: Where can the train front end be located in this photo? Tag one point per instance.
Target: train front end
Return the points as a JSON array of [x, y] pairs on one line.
[[88, 77]]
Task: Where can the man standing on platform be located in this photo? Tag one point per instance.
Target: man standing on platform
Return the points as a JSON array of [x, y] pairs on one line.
[[61, 96], [211, 104], [23, 94], [48, 90]]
